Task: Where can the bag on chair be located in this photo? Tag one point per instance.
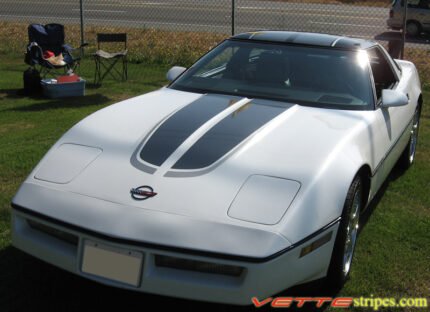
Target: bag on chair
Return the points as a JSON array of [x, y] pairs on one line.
[[32, 82]]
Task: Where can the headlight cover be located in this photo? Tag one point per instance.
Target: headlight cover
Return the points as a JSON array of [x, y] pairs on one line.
[[263, 199], [66, 162]]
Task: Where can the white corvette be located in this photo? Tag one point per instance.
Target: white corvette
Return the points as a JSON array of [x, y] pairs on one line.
[[245, 176]]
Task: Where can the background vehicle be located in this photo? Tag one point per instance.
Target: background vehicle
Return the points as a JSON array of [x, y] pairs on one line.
[[418, 16]]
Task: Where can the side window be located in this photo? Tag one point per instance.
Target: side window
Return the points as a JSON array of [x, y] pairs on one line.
[[411, 3], [243, 65], [383, 74], [424, 4], [216, 66], [417, 4]]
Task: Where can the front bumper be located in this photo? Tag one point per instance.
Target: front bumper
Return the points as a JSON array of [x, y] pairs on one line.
[[260, 279]]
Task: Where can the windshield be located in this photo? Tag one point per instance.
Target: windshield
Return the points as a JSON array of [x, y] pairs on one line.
[[322, 77]]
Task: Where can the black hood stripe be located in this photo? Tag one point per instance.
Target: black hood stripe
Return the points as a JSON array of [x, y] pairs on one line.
[[227, 134], [176, 129]]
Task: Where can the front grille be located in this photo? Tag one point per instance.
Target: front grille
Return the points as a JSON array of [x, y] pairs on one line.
[[58, 234], [197, 266]]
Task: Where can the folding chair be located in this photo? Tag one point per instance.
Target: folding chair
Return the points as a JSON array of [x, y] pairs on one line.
[[106, 61], [50, 39]]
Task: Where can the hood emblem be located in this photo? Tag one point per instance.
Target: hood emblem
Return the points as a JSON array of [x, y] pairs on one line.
[[142, 192]]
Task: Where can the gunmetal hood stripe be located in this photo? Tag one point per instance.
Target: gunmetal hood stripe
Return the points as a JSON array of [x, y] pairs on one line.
[[227, 134], [175, 130]]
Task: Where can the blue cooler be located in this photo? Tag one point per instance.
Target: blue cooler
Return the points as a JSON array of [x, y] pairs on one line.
[[52, 89]]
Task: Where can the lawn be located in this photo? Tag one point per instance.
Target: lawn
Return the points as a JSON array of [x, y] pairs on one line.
[[393, 251]]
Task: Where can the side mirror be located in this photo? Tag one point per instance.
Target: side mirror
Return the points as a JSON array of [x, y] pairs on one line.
[[391, 98], [175, 72]]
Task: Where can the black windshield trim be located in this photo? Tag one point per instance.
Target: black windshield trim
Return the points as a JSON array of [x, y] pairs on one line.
[[294, 44], [287, 102]]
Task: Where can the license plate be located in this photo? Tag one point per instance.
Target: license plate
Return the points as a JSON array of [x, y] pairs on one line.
[[113, 263]]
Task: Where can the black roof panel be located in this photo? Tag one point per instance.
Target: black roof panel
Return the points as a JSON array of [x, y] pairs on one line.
[[304, 38]]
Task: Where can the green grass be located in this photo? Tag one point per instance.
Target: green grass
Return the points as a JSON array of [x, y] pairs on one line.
[[393, 252], [40, 121]]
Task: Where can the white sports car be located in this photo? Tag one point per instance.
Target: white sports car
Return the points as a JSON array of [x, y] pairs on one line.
[[243, 177]]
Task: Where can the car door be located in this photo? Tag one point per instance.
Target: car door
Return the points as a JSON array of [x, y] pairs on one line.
[[424, 14], [419, 10], [392, 122]]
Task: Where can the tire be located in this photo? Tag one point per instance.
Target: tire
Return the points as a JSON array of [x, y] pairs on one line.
[[408, 156], [346, 238], [413, 29]]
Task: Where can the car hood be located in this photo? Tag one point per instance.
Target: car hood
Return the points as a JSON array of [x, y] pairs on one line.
[[194, 151]]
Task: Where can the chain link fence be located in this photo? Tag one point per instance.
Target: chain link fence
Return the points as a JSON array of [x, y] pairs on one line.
[[177, 32], [357, 20]]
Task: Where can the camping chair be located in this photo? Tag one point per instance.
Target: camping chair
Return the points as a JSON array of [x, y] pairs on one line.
[[47, 52], [106, 61]]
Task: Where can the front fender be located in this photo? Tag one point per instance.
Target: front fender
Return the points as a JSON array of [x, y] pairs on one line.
[[321, 201]]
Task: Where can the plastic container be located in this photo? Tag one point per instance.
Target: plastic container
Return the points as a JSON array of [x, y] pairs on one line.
[[52, 89]]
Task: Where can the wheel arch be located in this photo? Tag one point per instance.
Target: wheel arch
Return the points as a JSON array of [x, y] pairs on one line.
[[415, 22], [412, 20], [365, 174]]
